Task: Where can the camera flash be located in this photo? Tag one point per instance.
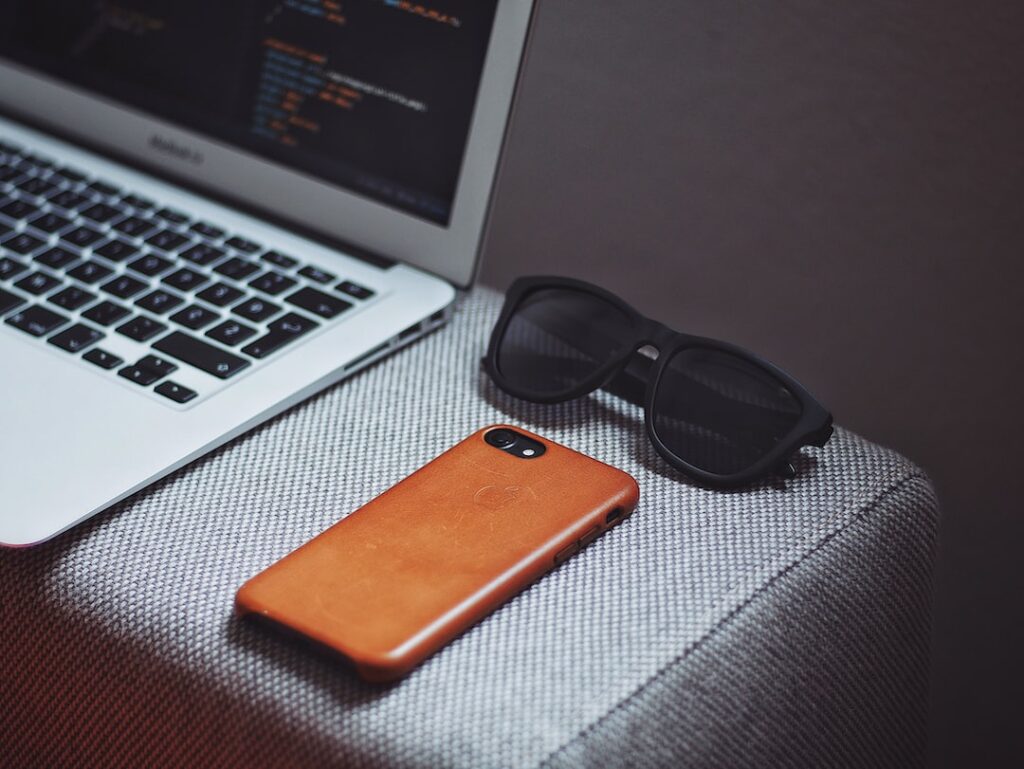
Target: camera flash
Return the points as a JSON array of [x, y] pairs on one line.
[[528, 452]]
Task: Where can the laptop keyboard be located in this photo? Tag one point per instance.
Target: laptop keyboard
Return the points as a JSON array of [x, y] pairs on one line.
[[86, 265]]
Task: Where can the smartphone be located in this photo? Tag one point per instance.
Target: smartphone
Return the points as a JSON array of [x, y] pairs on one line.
[[399, 578]]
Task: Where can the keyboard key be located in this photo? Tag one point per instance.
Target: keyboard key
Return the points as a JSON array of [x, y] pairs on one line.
[[138, 375], [141, 329], [282, 261], [135, 201], [293, 323], [102, 358], [195, 317], [167, 240], [203, 254], [90, 272], [69, 200], [106, 313], [72, 175], [282, 331], [236, 268], [10, 268], [36, 320], [175, 392], [124, 286], [50, 222], [56, 258], [9, 301], [354, 290], [135, 226], [272, 283], [101, 212], [159, 302], [40, 161], [36, 186], [256, 310], [324, 305], [72, 297], [313, 273], [231, 332], [38, 283], [104, 188], [18, 209], [150, 265], [24, 165], [220, 294], [174, 217], [76, 338], [208, 230], [22, 243], [117, 251], [160, 366], [203, 356], [81, 236], [243, 245], [28, 160], [186, 279]]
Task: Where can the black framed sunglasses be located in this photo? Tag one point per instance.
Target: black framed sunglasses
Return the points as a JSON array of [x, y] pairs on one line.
[[714, 411]]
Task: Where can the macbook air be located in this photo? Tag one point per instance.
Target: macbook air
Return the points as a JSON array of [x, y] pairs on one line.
[[211, 211]]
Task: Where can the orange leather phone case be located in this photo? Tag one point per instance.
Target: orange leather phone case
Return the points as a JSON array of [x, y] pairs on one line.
[[396, 580]]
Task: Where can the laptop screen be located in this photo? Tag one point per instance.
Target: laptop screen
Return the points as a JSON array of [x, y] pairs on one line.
[[375, 96]]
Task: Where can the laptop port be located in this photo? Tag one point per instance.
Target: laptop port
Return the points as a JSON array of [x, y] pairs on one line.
[[409, 332]]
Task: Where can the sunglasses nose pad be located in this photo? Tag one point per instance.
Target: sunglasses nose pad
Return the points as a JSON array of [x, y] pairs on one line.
[[630, 384]]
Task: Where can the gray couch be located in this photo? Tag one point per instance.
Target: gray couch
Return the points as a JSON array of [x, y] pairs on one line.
[[784, 625]]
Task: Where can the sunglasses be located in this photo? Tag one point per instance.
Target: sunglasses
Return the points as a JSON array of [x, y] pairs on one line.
[[713, 411]]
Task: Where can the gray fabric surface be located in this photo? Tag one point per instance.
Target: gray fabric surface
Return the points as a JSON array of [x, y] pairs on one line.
[[827, 665], [120, 647]]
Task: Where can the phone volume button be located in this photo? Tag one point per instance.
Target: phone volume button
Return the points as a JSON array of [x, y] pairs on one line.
[[590, 536], [566, 553]]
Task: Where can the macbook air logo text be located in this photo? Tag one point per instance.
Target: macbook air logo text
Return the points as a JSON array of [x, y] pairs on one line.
[[174, 149]]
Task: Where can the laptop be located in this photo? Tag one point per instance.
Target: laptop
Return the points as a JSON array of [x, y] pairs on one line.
[[211, 211]]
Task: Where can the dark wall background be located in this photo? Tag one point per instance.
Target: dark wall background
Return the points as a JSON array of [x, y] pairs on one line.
[[839, 187]]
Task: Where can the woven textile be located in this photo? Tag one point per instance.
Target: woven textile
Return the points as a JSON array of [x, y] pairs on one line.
[[741, 628]]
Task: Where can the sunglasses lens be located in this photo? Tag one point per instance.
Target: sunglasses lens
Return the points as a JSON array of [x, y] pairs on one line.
[[721, 413], [558, 338]]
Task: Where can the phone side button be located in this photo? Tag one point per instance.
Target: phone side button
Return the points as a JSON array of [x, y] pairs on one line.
[[590, 536], [566, 553]]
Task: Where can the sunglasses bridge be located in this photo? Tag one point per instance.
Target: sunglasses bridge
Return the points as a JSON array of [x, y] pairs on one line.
[[631, 382]]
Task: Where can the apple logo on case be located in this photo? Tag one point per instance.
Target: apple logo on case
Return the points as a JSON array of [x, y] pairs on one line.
[[497, 497]]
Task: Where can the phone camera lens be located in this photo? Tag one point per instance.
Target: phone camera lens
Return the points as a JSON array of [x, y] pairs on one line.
[[501, 439]]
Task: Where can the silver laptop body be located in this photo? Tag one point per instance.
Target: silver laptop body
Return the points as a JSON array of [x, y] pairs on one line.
[[208, 213]]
